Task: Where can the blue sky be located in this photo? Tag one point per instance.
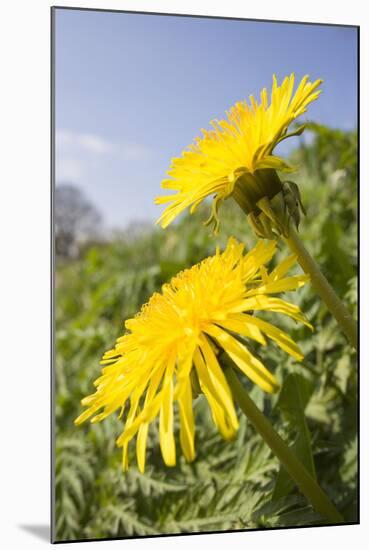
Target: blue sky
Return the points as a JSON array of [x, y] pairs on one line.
[[133, 90]]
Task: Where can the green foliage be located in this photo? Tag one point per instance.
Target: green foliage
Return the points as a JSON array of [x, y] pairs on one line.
[[230, 485], [292, 401], [74, 475]]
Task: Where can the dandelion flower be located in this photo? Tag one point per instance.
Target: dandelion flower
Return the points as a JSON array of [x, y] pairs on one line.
[[235, 156], [175, 344]]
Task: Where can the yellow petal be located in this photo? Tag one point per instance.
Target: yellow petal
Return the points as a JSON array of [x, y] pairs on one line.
[[252, 367], [220, 418], [144, 426], [141, 446], [187, 424], [151, 407], [218, 381], [283, 268], [276, 163], [267, 303], [167, 444], [281, 285], [240, 325], [219, 415], [279, 336], [261, 254], [84, 416], [130, 418]]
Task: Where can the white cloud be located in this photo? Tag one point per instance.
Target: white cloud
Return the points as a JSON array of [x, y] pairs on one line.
[[68, 140], [74, 143]]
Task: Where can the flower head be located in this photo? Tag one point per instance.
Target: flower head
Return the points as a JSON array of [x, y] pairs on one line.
[[176, 341], [239, 146]]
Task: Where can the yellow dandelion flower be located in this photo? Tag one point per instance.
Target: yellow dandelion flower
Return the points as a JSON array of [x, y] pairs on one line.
[[235, 157], [175, 343]]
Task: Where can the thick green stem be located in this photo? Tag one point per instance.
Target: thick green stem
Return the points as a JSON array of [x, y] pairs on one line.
[[323, 288], [300, 475]]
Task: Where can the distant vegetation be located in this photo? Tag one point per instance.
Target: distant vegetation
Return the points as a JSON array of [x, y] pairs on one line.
[[77, 221]]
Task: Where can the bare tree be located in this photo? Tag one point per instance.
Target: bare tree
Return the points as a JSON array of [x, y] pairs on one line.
[[76, 220]]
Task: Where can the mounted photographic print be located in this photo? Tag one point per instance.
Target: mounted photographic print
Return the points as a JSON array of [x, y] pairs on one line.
[[205, 191]]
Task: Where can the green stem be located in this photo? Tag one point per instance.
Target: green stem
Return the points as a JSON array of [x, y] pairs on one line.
[[300, 475], [323, 288]]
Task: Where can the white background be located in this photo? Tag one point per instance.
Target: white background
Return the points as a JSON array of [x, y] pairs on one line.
[[25, 268]]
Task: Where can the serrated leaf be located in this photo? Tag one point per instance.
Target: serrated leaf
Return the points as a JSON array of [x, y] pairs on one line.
[[293, 399]]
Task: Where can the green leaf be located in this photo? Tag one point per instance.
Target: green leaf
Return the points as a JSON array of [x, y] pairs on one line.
[[293, 399]]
